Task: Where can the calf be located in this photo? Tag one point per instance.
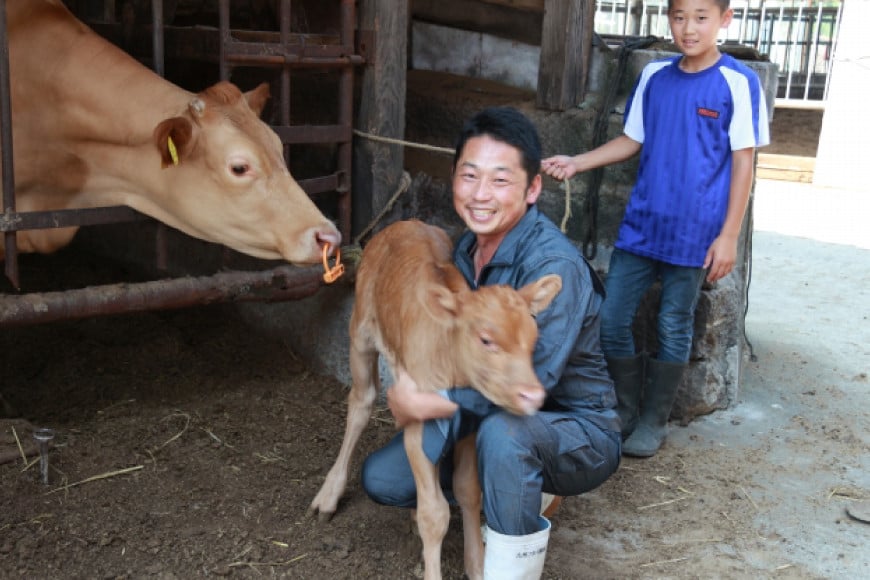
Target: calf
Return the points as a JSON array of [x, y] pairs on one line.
[[413, 306]]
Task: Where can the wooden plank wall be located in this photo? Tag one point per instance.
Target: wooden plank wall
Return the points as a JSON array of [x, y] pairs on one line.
[[562, 28], [377, 166]]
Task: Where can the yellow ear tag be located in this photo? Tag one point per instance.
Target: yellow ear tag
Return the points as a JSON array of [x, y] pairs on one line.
[[173, 152]]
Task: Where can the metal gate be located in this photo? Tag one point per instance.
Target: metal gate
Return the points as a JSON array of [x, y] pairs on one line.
[[800, 36]]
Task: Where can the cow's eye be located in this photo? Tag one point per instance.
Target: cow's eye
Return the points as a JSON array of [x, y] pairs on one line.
[[240, 169]]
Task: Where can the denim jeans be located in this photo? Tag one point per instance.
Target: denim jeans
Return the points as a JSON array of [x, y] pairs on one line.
[[629, 278], [517, 459]]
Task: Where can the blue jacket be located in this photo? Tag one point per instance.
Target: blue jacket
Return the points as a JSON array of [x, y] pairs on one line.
[[568, 358]]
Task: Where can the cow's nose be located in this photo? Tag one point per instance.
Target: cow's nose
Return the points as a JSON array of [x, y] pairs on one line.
[[331, 237]]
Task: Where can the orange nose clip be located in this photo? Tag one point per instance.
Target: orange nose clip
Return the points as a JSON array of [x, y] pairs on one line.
[[331, 274]]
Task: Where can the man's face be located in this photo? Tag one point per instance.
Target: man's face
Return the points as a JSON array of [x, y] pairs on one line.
[[490, 188]]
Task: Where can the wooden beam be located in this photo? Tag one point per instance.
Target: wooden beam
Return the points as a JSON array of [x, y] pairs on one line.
[[528, 5], [377, 166], [494, 18], [566, 45]]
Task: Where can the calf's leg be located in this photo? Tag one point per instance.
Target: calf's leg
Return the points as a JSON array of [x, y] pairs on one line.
[[433, 513], [466, 488], [364, 374]]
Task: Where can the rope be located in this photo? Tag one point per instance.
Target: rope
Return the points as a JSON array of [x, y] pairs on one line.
[[403, 187], [392, 141], [567, 215]]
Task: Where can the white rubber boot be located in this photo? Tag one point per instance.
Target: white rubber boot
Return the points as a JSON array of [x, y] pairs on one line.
[[516, 557]]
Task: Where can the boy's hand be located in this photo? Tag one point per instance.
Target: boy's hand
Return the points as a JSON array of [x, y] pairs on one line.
[[720, 258], [559, 167]]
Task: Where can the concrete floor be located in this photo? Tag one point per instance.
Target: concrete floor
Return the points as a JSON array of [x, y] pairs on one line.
[[803, 410]]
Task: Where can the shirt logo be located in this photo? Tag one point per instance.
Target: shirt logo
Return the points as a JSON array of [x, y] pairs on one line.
[[708, 113]]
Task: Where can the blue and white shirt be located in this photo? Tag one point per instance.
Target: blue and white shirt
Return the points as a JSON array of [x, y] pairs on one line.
[[688, 125]]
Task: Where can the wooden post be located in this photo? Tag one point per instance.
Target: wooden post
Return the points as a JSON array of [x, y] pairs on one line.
[[377, 166], [566, 45]]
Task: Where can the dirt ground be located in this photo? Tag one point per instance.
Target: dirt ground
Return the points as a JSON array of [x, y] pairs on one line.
[[190, 445]]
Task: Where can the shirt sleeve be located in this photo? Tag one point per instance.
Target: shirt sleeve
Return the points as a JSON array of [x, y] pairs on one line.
[[749, 124]]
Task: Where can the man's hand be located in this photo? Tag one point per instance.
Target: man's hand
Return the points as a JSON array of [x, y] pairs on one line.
[[407, 403], [720, 258]]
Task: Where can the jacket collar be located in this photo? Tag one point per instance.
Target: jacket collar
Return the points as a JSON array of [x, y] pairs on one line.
[[507, 250]]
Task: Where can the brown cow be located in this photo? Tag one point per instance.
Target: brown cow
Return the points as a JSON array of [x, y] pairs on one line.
[[92, 127], [413, 306]]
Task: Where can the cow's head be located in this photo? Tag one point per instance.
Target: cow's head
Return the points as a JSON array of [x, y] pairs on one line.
[[228, 182], [496, 333]]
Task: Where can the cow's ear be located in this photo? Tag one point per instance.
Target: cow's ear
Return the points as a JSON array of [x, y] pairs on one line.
[[538, 295], [257, 98], [173, 139], [441, 303]]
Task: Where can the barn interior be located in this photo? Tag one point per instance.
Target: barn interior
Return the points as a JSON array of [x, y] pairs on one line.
[[343, 76]]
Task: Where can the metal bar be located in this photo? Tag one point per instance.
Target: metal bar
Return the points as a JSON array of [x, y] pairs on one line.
[[285, 74], [760, 26], [291, 52], [835, 35], [281, 283], [225, 37], [796, 46], [291, 59], [109, 10], [10, 264], [345, 119], [814, 34], [787, 53], [321, 184], [62, 218], [158, 42], [157, 35]]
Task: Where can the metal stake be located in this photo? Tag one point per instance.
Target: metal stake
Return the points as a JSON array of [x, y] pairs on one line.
[[43, 436]]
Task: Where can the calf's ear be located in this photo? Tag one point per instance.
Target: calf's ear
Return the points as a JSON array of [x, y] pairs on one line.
[[257, 98], [538, 295], [441, 303], [173, 140]]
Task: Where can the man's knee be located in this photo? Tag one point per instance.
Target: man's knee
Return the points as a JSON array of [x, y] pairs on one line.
[[502, 436], [381, 484]]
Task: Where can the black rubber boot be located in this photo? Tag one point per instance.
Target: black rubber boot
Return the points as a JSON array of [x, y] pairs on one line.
[[663, 378], [627, 375]]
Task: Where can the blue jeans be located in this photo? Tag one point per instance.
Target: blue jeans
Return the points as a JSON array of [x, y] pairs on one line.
[[629, 278], [517, 459]]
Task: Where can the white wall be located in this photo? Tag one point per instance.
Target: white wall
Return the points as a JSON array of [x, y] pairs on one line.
[[843, 158]]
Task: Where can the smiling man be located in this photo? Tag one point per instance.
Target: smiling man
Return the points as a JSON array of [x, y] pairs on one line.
[[573, 444]]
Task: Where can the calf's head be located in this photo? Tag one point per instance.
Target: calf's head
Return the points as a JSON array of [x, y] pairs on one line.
[[495, 334], [229, 183]]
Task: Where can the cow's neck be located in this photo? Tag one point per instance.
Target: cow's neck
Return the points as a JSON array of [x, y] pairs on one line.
[[121, 108], [87, 105]]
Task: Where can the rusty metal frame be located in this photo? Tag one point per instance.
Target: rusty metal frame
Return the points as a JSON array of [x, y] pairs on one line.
[[281, 283]]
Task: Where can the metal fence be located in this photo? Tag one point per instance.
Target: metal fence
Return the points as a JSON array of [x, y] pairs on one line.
[[800, 36]]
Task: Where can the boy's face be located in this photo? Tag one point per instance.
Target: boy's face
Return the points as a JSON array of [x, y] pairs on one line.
[[695, 25], [491, 188]]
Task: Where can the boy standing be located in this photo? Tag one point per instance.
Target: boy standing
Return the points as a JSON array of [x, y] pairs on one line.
[[696, 120]]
